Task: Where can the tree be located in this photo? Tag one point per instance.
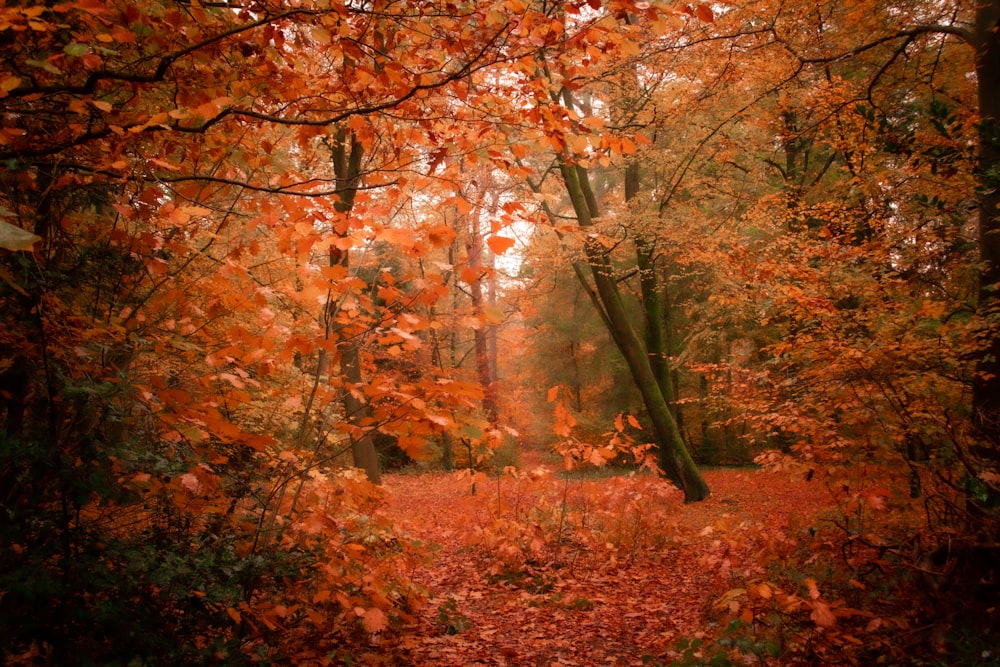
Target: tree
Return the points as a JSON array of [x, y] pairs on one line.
[[568, 118], [165, 155]]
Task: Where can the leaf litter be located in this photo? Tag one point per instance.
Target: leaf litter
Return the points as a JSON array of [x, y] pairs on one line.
[[536, 570]]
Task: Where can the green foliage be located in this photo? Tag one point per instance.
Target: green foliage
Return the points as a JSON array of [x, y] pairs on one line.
[[450, 619]]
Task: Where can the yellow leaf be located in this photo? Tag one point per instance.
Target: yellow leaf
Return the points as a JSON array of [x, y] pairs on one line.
[[493, 314], [13, 237], [10, 83]]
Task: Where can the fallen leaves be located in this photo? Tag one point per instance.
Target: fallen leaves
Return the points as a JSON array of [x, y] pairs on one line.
[[607, 591]]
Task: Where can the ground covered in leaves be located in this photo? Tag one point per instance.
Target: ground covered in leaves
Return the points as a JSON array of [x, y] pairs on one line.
[[538, 569]]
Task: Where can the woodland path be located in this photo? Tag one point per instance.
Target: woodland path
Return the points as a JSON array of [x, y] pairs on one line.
[[637, 571]]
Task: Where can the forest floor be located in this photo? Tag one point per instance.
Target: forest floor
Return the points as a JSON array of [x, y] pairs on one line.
[[536, 568]]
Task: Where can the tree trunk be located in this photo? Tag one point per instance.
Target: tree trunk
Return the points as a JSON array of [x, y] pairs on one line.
[[986, 383], [482, 348], [654, 311], [674, 458], [355, 410], [347, 169]]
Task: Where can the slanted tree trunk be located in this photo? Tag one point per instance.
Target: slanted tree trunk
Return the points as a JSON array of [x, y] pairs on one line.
[[674, 458]]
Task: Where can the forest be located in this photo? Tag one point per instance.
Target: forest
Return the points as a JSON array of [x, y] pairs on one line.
[[500, 332]]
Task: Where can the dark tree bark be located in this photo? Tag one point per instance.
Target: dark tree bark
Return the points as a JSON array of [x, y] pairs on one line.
[[986, 384], [347, 155]]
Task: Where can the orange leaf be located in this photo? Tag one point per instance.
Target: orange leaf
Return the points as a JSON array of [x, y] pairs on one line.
[[375, 620], [499, 244], [234, 614], [705, 13], [821, 615], [441, 235], [10, 83], [212, 109], [553, 392], [520, 151], [397, 236]]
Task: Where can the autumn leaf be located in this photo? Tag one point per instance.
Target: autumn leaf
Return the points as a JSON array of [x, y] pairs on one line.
[[499, 244], [877, 500], [190, 482], [821, 614], [9, 83], [813, 589], [374, 620], [15, 238]]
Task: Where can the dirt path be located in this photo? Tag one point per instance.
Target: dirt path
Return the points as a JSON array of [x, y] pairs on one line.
[[586, 572]]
